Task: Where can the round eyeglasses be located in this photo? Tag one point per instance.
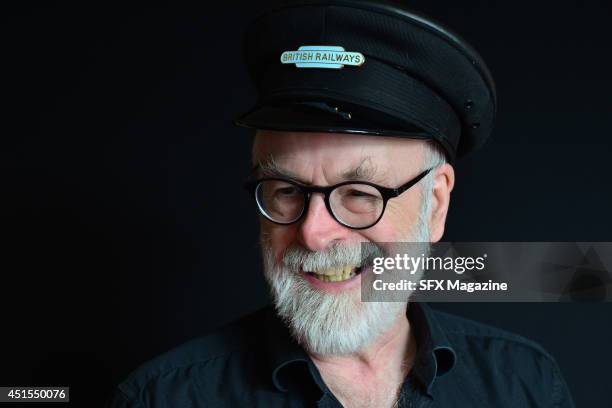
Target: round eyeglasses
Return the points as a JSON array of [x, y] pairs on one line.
[[354, 204]]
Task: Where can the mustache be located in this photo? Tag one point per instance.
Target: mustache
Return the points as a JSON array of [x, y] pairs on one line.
[[337, 255]]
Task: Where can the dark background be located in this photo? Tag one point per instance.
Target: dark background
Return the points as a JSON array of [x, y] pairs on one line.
[[126, 231]]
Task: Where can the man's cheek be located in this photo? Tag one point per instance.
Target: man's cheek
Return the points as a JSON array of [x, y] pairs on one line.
[[395, 224], [279, 238]]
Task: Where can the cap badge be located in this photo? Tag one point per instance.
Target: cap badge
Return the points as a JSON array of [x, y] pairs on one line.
[[322, 56]]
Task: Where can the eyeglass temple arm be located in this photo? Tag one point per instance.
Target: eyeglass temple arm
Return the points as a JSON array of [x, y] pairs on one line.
[[412, 182]]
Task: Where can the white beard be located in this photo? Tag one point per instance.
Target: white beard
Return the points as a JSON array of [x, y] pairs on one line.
[[329, 323]]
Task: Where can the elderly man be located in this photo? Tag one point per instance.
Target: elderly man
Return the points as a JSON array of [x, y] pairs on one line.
[[354, 143]]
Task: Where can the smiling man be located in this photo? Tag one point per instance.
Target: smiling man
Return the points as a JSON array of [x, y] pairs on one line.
[[354, 143], [311, 236], [312, 255]]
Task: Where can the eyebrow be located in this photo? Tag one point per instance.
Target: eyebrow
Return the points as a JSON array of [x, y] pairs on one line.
[[365, 171], [270, 168]]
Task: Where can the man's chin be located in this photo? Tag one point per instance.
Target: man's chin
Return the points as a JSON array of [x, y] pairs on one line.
[[326, 319]]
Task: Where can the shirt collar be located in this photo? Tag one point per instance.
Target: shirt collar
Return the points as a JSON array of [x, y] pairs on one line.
[[435, 354], [289, 362], [285, 355]]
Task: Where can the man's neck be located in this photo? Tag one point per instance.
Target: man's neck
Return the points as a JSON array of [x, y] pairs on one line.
[[380, 368]]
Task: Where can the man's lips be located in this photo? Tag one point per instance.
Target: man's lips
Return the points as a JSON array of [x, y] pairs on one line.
[[333, 286], [335, 282], [337, 274]]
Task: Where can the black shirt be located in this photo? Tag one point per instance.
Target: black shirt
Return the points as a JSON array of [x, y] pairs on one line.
[[254, 362]]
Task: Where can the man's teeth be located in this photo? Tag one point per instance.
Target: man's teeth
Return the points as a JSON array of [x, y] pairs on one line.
[[335, 274]]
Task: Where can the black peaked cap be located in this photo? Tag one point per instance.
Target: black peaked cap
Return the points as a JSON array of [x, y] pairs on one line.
[[367, 67]]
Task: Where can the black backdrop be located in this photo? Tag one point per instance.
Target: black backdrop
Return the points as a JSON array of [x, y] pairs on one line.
[[122, 210]]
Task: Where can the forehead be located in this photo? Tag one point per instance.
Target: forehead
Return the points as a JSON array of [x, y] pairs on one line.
[[337, 153]]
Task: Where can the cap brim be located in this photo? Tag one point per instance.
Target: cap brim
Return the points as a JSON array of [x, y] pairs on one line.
[[315, 116]]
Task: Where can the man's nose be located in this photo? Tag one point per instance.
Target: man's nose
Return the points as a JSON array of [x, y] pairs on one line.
[[318, 228]]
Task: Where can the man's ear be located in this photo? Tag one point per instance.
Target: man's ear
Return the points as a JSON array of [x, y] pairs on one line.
[[444, 181]]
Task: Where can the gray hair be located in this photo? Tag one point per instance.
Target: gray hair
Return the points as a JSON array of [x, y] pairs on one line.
[[433, 157]]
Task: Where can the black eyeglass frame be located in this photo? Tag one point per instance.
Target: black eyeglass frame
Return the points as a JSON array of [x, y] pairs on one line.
[[386, 193]]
